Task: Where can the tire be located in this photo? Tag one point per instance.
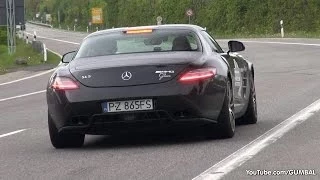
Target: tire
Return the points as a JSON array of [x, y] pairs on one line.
[[63, 140], [226, 120], [251, 115]]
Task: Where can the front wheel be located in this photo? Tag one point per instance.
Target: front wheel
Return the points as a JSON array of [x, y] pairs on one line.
[[251, 115], [63, 140]]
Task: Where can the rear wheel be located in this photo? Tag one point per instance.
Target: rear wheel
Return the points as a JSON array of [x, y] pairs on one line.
[[63, 140], [251, 115], [226, 120]]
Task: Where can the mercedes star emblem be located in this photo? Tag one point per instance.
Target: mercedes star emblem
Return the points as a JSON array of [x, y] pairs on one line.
[[126, 75]]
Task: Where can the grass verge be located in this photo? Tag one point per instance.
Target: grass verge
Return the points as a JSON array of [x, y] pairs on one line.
[[24, 51]]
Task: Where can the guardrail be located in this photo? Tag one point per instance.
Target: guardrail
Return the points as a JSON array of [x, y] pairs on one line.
[[40, 24]]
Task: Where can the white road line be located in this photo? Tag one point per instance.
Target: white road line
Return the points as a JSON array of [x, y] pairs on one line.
[[23, 95], [60, 30], [275, 42], [242, 155], [282, 43], [29, 77], [12, 133], [60, 56], [53, 39]]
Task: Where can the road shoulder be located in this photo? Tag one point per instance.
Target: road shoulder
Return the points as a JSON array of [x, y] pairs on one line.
[[23, 72]]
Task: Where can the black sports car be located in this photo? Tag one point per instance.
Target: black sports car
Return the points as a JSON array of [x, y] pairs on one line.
[[141, 78]]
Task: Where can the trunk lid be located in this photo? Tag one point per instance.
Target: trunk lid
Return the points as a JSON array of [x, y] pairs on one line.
[[131, 69]]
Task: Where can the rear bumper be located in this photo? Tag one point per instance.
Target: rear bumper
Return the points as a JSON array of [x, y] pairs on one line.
[[97, 127], [174, 106]]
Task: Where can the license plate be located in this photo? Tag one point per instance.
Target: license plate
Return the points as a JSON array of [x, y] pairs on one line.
[[123, 106]]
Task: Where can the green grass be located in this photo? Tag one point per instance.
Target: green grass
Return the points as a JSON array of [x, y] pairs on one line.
[[52, 58], [23, 50]]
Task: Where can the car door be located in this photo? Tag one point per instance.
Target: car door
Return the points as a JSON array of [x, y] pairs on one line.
[[239, 70]]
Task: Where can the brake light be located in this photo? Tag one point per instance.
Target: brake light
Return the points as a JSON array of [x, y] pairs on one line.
[[64, 83], [198, 74], [138, 31]]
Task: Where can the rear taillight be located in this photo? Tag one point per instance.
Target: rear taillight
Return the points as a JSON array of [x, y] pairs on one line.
[[64, 83], [198, 74]]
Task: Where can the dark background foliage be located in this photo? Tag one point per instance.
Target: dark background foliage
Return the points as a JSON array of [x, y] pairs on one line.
[[218, 16]]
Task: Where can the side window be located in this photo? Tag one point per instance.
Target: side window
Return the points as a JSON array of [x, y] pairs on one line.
[[217, 45], [193, 42], [213, 44]]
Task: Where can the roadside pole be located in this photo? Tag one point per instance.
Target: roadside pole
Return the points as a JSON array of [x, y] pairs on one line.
[[75, 24], [59, 19], [11, 26], [45, 55], [89, 26], [282, 29], [34, 35]]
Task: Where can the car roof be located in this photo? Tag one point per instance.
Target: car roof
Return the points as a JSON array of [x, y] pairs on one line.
[[167, 26]]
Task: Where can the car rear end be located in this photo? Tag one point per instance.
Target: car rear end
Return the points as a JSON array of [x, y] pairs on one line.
[[135, 80]]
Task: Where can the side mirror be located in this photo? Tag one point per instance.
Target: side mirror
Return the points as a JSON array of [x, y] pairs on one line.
[[236, 46], [68, 57]]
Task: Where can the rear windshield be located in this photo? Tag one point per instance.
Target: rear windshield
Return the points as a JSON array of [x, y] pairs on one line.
[[124, 43]]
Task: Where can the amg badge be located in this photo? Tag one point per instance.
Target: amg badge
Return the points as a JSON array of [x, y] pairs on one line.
[[163, 74]]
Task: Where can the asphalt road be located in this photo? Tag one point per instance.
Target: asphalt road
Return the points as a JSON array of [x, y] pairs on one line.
[[287, 81]]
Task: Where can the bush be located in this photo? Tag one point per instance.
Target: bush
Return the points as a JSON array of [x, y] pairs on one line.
[[225, 17]]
